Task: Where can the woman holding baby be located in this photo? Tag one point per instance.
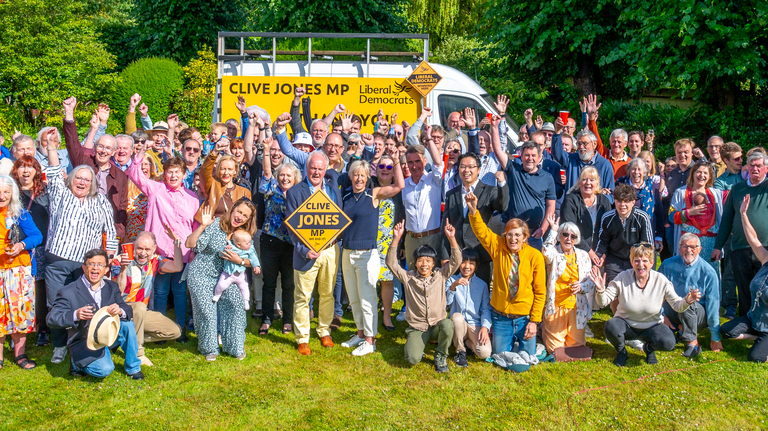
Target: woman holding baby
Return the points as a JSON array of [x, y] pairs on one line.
[[697, 208]]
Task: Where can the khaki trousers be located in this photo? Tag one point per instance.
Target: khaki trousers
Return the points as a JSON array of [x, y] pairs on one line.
[[152, 326], [324, 272], [464, 333]]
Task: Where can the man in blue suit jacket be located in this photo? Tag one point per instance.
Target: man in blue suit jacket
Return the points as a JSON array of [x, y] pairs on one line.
[[74, 308], [313, 267]]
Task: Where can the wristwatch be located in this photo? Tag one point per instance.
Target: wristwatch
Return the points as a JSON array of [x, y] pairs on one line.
[[242, 263]]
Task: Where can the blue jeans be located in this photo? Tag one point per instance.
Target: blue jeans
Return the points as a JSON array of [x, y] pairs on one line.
[[104, 366], [536, 243], [165, 283], [506, 331]]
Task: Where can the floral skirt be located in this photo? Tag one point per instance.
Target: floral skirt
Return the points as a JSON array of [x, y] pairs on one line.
[[17, 301]]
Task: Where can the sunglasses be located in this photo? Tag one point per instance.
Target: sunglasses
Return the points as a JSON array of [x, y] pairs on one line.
[[566, 235], [643, 245], [194, 150], [455, 151], [141, 141], [387, 167]]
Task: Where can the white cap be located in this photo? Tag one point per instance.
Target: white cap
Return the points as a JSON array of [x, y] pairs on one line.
[[302, 138]]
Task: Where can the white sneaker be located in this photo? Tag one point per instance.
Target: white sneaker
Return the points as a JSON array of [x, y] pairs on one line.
[[635, 344], [354, 341], [588, 333], [145, 361], [400, 317], [59, 353], [363, 349]]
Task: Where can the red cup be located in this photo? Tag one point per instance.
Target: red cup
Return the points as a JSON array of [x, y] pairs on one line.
[[562, 172], [564, 116], [489, 116], [45, 177], [128, 249]]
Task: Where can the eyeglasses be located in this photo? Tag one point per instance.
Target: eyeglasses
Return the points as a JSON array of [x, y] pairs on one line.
[[455, 151], [467, 167], [95, 265], [103, 147], [194, 150], [84, 180], [338, 147], [141, 141], [437, 137], [566, 235], [387, 167]]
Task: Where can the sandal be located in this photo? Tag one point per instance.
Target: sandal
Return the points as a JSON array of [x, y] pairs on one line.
[[264, 329], [287, 328], [24, 362], [1, 363]]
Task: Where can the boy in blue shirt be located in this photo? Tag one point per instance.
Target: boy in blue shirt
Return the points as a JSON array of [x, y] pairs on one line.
[[470, 310]]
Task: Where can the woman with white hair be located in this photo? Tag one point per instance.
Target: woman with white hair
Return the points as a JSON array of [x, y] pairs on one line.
[[79, 218], [360, 260], [18, 235], [567, 309], [648, 196]]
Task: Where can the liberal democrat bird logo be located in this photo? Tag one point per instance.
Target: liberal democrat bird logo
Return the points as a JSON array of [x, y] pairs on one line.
[[402, 88]]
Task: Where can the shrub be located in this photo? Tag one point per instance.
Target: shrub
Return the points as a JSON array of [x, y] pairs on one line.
[[158, 80], [201, 72], [195, 107]]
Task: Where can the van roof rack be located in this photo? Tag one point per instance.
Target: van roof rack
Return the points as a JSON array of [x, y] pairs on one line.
[[223, 54]]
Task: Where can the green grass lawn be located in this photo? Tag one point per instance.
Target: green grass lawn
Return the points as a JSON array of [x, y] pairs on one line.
[[275, 388]]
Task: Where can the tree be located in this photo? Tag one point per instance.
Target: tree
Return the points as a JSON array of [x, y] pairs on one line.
[[706, 49], [558, 40], [333, 16], [444, 18], [49, 50], [178, 29]]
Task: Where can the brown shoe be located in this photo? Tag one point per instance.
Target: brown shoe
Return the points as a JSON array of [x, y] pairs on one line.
[[326, 341], [304, 349], [336, 323]]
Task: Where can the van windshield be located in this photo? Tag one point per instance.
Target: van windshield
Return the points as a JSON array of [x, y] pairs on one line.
[[512, 123]]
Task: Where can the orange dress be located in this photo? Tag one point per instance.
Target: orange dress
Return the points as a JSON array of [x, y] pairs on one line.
[[17, 288]]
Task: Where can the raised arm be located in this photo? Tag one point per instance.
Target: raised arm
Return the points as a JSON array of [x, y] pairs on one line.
[[394, 188], [754, 242], [592, 108], [501, 155], [298, 156], [266, 163], [254, 123], [88, 143], [296, 125], [72, 143], [130, 118], [173, 122], [338, 109], [437, 162]]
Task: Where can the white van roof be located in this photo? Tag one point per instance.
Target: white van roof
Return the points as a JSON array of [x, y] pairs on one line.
[[452, 78]]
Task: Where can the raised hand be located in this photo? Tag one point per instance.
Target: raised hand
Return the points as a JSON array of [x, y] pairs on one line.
[[398, 230], [171, 234], [559, 125], [367, 139], [469, 118], [450, 231], [592, 106], [554, 222], [53, 139], [339, 108], [240, 104], [134, 102], [103, 112], [298, 92], [206, 216], [539, 122], [173, 121], [143, 110], [596, 278], [94, 122], [69, 105], [394, 118], [346, 121], [583, 104], [426, 112], [528, 115], [283, 119], [501, 104], [495, 121], [500, 177], [744, 205], [471, 203]]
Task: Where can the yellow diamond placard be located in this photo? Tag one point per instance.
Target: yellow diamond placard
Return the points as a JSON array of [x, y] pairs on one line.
[[424, 78], [318, 221]]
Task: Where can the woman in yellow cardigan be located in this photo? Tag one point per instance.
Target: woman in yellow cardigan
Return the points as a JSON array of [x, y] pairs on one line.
[[519, 282]]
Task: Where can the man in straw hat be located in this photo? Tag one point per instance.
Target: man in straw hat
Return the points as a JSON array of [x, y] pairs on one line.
[[97, 318]]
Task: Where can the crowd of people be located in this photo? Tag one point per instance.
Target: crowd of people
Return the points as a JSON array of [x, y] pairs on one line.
[[498, 249]]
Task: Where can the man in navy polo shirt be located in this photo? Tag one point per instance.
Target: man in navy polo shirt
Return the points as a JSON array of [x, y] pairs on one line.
[[531, 190], [586, 155]]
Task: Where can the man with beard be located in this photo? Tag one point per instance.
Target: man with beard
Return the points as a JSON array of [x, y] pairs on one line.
[[586, 155]]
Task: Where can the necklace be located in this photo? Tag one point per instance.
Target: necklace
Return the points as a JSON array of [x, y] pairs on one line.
[[355, 195]]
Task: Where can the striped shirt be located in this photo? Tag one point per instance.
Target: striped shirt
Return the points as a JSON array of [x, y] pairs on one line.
[[77, 227]]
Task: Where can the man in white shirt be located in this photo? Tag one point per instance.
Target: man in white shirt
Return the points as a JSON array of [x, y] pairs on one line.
[[422, 198]]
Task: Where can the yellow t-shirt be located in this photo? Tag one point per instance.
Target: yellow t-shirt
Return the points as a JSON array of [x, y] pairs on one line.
[[563, 296]]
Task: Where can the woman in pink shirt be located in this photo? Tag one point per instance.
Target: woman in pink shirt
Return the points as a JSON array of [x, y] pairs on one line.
[[168, 203]]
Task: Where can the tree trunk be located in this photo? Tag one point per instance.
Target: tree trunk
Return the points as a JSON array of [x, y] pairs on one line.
[[726, 93], [586, 79]]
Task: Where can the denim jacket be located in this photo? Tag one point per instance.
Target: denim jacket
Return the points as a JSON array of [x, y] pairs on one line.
[[758, 314]]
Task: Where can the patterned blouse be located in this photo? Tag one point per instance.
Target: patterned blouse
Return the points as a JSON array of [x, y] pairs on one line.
[[274, 209]]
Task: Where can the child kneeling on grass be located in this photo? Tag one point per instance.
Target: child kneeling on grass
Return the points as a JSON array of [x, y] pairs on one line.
[[425, 295], [470, 312]]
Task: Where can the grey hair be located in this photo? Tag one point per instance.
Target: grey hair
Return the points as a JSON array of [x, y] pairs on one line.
[[445, 145], [355, 137], [124, 136], [621, 133], [291, 167], [359, 165], [139, 135], [638, 161], [591, 136], [94, 190], [315, 153], [688, 236], [714, 137], [14, 205], [315, 121], [147, 234], [108, 136], [44, 131], [758, 155], [570, 227], [21, 138]]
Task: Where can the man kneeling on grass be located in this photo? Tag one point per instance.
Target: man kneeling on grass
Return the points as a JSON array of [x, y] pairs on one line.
[[687, 272], [425, 296], [470, 312], [77, 309]]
